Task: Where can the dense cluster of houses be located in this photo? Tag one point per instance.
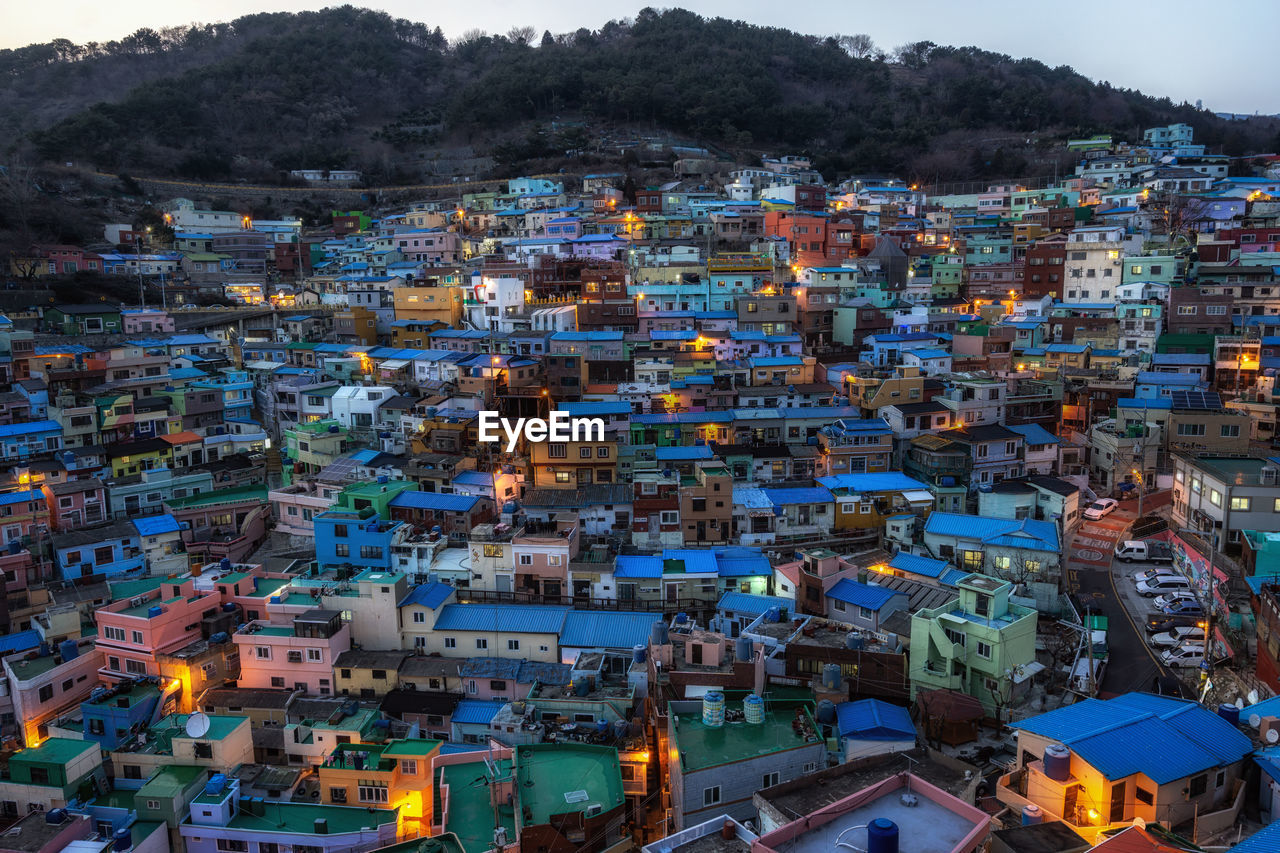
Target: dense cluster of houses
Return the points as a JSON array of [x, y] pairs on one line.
[[272, 590]]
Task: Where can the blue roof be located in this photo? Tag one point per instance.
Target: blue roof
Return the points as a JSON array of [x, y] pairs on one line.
[[489, 668], [872, 719], [606, 629], [1035, 434], [742, 602], [1148, 377], [156, 524], [19, 641], [1265, 840], [696, 560], [886, 482], [435, 501], [684, 454], [627, 566], [917, 565], [802, 495], [502, 618], [742, 563], [862, 594], [22, 496], [595, 409], [1012, 533], [1183, 358], [430, 595], [10, 430], [1067, 348], [1144, 403], [473, 478], [1165, 739], [1265, 708], [477, 711]]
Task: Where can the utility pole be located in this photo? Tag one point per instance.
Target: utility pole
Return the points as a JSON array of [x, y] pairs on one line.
[[142, 294]]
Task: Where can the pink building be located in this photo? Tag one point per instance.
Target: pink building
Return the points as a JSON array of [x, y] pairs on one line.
[[147, 320], [542, 552], [76, 503], [47, 683], [225, 523], [299, 656], [295, 505], [132, 632]]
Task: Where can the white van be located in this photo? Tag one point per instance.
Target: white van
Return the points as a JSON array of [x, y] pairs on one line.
[[1187, 654], [1163, 584]]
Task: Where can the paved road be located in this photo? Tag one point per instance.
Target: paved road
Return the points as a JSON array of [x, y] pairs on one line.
[[1133, 665]]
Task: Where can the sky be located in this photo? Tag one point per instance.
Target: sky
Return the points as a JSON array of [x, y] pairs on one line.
[[1174, 48]]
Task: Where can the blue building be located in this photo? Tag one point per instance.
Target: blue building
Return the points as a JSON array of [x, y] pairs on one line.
[[22, 441], [112, 549], [111, 715], [349, 538]]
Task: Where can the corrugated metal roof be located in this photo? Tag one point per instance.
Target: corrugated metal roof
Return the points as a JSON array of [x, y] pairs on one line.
[[872, 719], [430, 595], [696, 560], [857, 483], [509, 618], [29, 427], [477, 711], [917, 565], [742, 563], [489, 668], [155, 525], [434, 501], [861, 594], [742, 602], [806, 495], [18, 642], [1013, 533], [637, 567], [1164, 738], [1265, 840], [606, 630]]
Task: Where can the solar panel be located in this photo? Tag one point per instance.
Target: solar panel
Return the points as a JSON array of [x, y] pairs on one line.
[[1207, 400]]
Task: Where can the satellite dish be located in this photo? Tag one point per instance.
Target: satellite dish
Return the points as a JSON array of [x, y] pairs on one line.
[[1240, 703], [1273, 735], [1255, 720], [1253, 697], [197, 725]]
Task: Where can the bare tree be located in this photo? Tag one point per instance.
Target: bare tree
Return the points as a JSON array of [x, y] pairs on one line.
[[1174, 214], [859, 45], [522, 36]]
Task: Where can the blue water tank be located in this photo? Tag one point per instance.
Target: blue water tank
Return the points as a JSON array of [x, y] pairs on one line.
[[333, 428], [658, 634], [1228, 712], [15, 546], [123, 840], [45, 650], [882, 836], [1032, 814], [510, 507], [228, 607], [639, 653], [55, 817], [153, 612], [602, 726], [70, 650], [831, 676], [854, 641], [215, 784], [383, 479], [220, 638], [225, 564], [773, 614], [826, 712], [947, 481], [1057, 762], [682, 618]]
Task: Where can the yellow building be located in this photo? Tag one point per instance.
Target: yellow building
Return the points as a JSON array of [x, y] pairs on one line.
[[396, 775], [572, 464], [367, 673], [440, 304], [865, 501]]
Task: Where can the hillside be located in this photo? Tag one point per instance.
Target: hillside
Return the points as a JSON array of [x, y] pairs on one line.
[[350, 88]]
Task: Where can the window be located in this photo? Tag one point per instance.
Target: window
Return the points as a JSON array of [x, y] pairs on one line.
[[1215, 310], [46, 693], [1242, 504], [450, 643], [340, 530], [135, 667], [1230, 431], [1191, 429], [1199, 784], [1215, 497], [342, 550], [557, 451], [112, 633], [371, 552], [769, 779], [277, 681], [233, 845], [1145, 797], [984, 650], [498, 686], [409, 766], [711, 796], [526, 559], [202, 749], [513, 645], [294, 656], [262, 652], [372, 792], [957, 637], [419, 617], [482, 643]]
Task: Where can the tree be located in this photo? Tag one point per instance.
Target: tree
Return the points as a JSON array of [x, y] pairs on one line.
[[1173, 214], [522, 36], [859, 46]]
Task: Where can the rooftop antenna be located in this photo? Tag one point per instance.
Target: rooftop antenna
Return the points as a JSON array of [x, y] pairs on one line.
[[197, 724]]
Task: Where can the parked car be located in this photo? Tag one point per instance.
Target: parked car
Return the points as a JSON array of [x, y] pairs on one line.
[[1134, 550], [1184, 608], [1187, 654], [1149, 574], [1170, 597], [1159, 622], [1178, 636], [1163, 584], [1101, 508]]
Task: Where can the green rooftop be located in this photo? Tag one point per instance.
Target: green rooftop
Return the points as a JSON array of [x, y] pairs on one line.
[[447, 843], [317, 427], [128, 589], [136, 696], [300, 818], [233, 578], [220, 496], [54, 750], [553, 777], [471, 814], [117, 799], [702, 746], [273, 631], [172, 780], [25, 670], [266, 587], [143, 609], [411, 747]]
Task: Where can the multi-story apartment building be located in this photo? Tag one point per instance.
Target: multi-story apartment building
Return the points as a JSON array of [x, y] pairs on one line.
[[298, 656]]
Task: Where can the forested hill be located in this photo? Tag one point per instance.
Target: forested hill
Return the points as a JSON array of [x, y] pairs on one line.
[[351, 88]]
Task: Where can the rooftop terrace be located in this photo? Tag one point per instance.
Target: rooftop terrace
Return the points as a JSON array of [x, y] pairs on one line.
[[559, 778], [701, 746]]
